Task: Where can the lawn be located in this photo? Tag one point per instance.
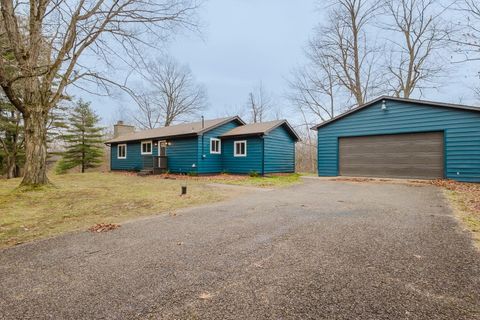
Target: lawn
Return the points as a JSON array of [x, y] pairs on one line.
[[78, 201], [263, 182]]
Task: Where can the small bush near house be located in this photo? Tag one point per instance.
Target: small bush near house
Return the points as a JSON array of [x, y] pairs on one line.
[[254, 174]]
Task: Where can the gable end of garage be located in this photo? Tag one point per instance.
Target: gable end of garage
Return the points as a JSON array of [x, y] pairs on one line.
[[460, 130]]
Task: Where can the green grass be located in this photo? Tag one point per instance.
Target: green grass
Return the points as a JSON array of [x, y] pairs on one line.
[[78, 201]]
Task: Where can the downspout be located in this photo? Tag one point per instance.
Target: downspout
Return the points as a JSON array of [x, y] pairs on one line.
[[263, 155], [203, 146], [294, 156]]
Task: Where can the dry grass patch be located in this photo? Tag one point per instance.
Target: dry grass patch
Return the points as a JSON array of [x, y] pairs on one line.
[[268, 181], [79, 201]]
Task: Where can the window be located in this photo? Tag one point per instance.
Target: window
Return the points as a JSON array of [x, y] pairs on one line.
[[240, 149], [215, 146], [122, 151], [146, 147]]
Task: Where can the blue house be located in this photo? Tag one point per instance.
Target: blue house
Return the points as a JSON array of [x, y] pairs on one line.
[[402, 138], [206, 147]]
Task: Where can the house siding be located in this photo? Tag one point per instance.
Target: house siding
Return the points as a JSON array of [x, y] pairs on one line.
[[192, 154], [134, 160], [251, 163], [212, 163], [182, 155], [461, 131], [279, 151]]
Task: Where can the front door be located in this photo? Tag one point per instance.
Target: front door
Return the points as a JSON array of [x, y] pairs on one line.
[[162, 148], [162, 154]]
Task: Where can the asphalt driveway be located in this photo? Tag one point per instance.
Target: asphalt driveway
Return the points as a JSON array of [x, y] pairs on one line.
[[320, 250]]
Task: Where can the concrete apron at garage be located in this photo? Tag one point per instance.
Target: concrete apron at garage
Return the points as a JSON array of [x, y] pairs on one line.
[[320, 250]]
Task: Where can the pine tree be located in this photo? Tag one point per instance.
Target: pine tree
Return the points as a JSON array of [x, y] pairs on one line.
[[12, 154], [83, 139]]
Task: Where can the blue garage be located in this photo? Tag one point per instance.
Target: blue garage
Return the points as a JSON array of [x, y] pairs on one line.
[[402, 138]]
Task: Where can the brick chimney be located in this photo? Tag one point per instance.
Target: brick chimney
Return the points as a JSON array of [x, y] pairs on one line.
[[120, 129]]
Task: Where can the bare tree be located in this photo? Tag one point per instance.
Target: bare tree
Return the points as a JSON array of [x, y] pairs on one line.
[[314, 89], [344, 45], [415, 61], [42, 42], [172, 94], [147, 115], [259, 104], [469, 40]]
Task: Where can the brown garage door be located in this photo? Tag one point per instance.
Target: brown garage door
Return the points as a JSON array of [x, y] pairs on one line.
[[413, 155]]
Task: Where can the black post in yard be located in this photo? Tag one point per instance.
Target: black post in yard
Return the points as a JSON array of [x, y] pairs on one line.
[[184, 190]]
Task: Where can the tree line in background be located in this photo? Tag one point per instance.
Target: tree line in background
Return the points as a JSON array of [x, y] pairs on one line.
[[363, 49]]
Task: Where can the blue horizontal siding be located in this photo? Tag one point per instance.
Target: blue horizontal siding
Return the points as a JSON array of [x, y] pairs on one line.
[[461, 128], [193, 154], [182, 155], [134, 159], [251, 163], [212, 163], [279, 151]]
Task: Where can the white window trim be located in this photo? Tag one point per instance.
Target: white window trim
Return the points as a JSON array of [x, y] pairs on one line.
[[151, 147], [118, 151], [235, 148], [219, 146]]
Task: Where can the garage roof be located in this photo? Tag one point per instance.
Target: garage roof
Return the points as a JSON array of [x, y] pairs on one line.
[[422, 102]]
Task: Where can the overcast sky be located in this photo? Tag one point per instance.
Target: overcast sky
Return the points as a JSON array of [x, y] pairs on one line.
[[248, 41]]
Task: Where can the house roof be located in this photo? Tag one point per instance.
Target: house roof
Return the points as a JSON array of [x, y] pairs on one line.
[[184, 129], [260, 128], [422, 102]]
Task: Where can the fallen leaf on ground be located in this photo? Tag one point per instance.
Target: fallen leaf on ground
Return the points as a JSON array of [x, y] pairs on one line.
[[205, 295], [103, 227]]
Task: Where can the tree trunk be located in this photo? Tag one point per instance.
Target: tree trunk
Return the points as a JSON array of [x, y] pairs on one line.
[[12, 171], [35, 148]]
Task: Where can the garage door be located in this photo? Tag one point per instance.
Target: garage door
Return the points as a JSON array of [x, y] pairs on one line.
[[415, 155]]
